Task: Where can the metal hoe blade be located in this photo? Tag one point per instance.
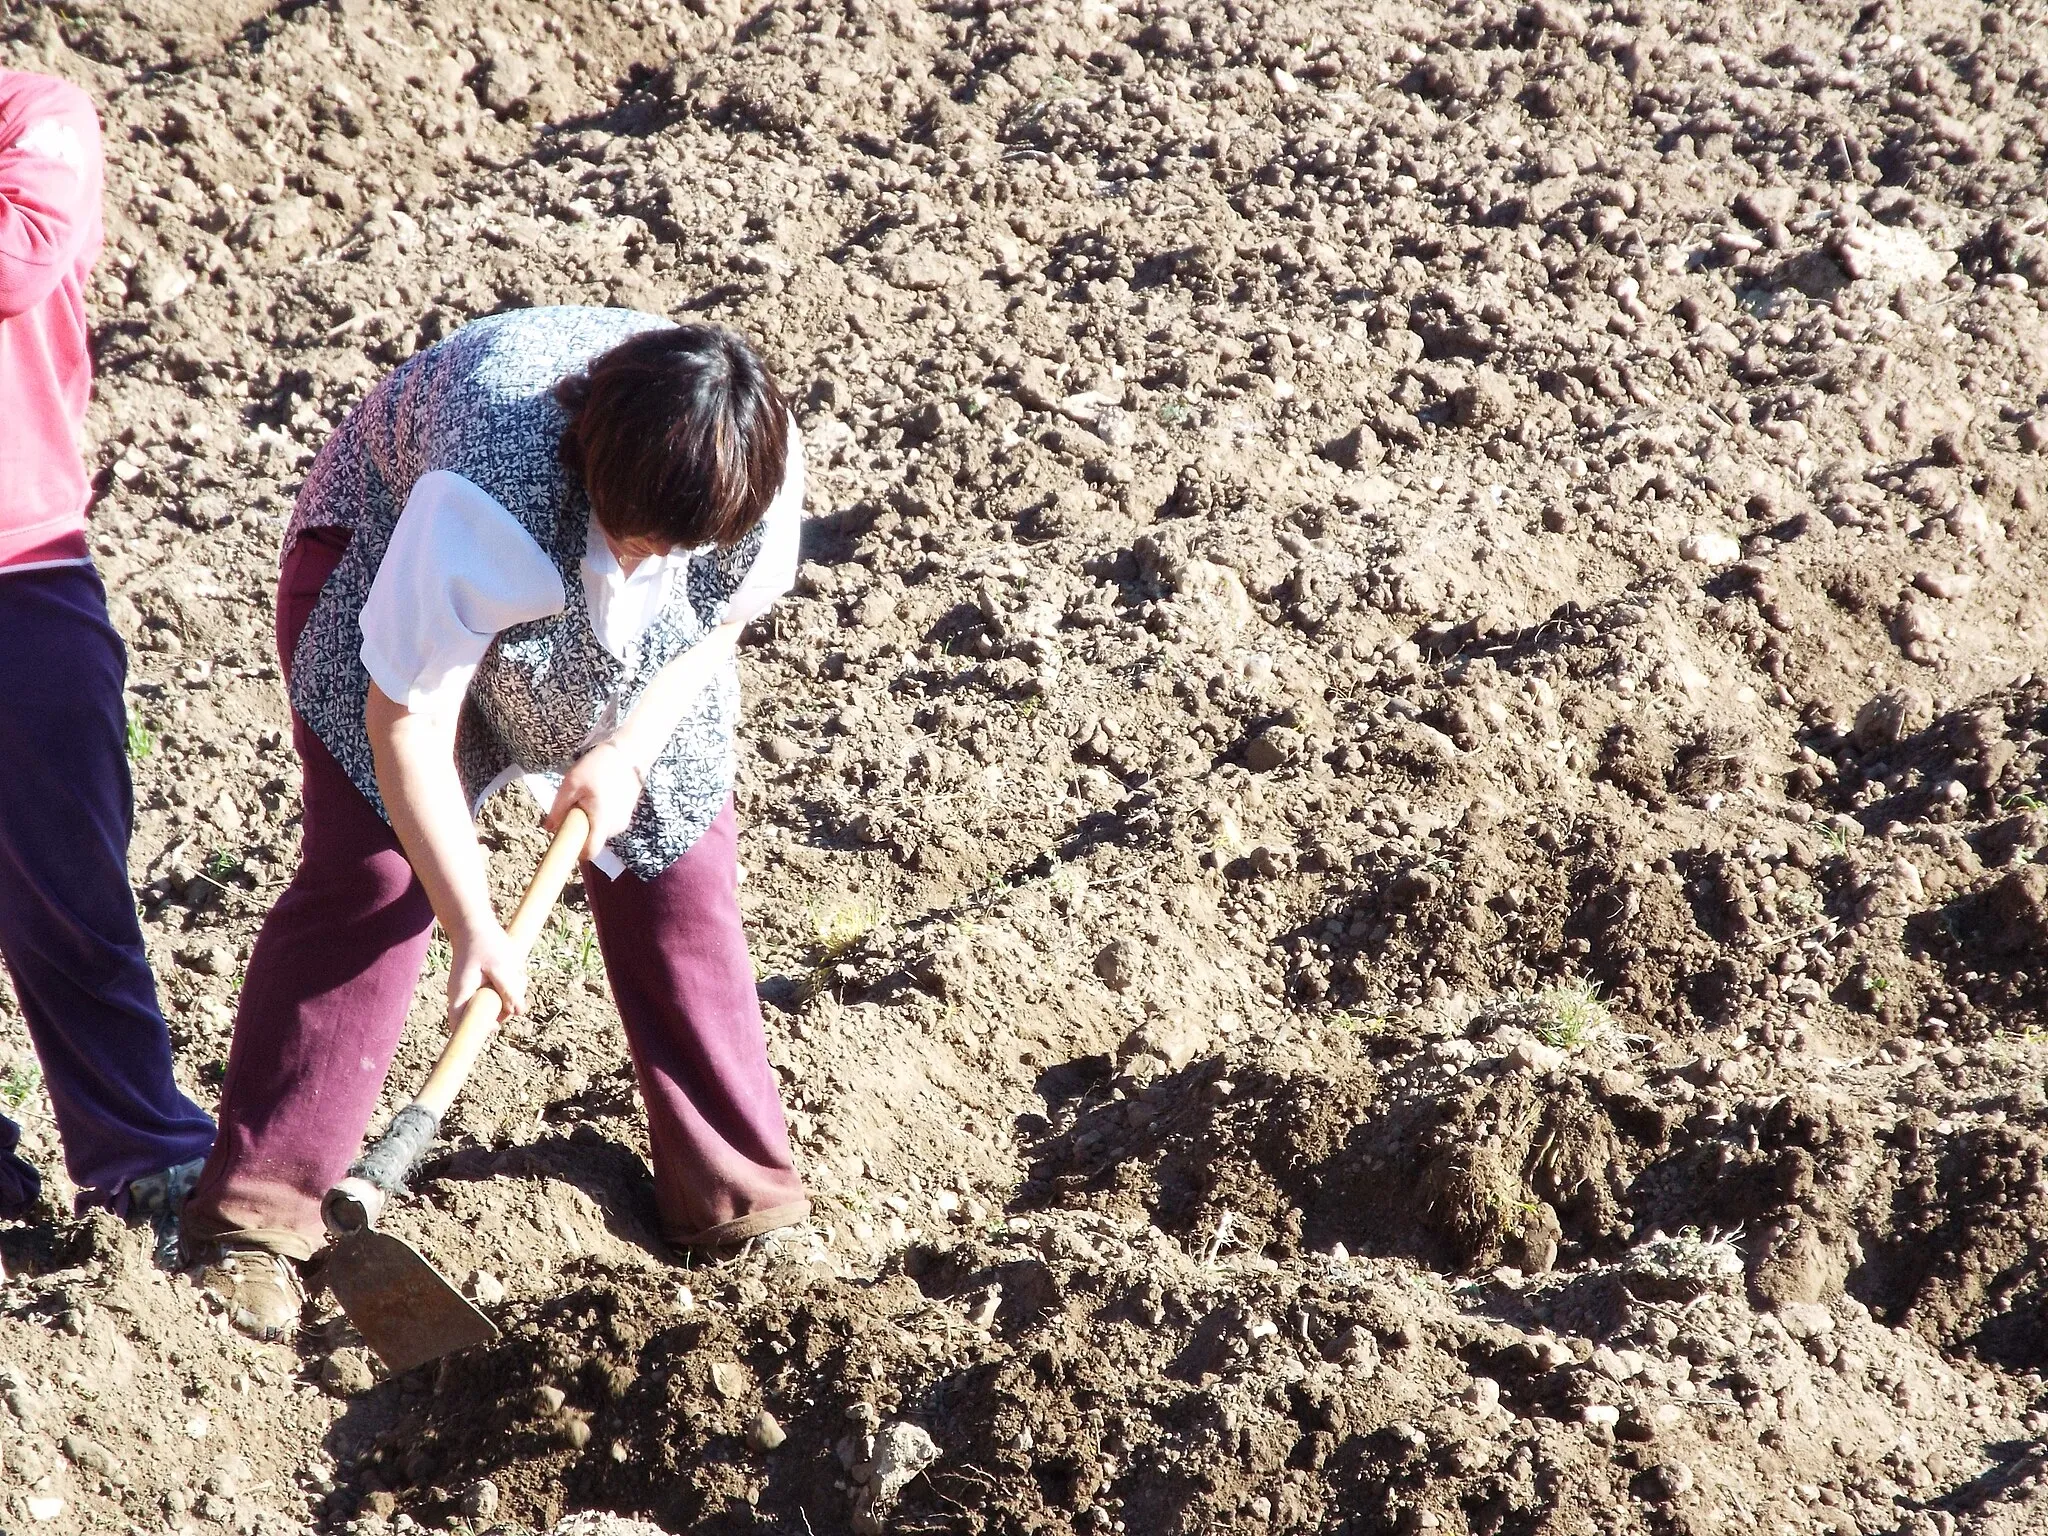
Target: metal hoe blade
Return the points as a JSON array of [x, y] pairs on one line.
[[404, 1308]]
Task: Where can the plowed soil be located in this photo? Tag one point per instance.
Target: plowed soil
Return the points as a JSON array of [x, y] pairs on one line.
[[1393, 840]]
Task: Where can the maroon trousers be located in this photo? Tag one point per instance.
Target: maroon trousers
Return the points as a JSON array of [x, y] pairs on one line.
[[333, 974]]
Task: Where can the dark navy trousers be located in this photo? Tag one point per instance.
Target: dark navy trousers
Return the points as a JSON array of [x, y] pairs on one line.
[[68, 928]]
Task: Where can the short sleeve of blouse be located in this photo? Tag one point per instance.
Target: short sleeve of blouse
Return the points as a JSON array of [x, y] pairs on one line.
[[458, 570]]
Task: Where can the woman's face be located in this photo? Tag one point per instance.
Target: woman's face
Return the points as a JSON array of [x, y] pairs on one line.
[[630, 552]]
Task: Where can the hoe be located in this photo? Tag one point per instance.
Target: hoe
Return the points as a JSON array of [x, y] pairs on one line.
[[404, 1308]]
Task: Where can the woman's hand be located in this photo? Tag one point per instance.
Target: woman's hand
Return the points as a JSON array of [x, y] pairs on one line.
[[607, 784], [485, 956]]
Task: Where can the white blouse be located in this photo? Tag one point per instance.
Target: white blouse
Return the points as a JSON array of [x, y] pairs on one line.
[[460, 568]]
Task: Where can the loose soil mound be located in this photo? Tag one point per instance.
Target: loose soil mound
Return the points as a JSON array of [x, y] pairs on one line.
[[1393, 836]]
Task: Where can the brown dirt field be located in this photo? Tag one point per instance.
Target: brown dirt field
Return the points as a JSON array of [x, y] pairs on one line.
[[1394, 837]]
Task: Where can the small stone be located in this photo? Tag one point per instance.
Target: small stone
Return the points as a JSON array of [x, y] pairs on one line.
[[1891, 717], [1806, 1319], [1358, 1351], [923, 271], [90, 1456], [1360, 448], [484, 1288], [207, 959], [1644, 1422], [1945, 584], [347, 1373], [1117, 964], [1272, 748], [1600, 1415], [728, 1380], [157, 283], [1170, 34], [2034, 434], [1412, 886], [1668, 1480], [982, 1312], [1482, 1395], [1171, 1039], [1761, 207], [1709, 548], [1395, 425], [901, 1452], [781, 750], [480, 1499], [549, 1399], [41, 1509], [1486, 401], [1535, 1056], [766, 1435], [1269, 863]]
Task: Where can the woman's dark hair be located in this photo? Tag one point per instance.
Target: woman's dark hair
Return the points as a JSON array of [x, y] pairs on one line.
[[680, 435]]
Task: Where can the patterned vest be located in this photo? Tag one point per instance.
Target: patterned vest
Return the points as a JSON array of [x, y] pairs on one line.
[[481, 405]]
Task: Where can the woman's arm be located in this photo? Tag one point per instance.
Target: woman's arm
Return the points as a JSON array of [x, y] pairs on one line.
[[415, 758], [607, 781]]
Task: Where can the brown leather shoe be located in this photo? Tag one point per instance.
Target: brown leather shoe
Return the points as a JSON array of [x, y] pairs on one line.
[[260, 1290], [740, 1229]]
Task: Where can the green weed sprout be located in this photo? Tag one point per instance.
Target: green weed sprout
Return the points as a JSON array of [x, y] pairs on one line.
[[1570, 1015], [20, 1084]]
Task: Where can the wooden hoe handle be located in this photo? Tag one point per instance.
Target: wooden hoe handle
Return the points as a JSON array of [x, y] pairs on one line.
[[356, 1202]]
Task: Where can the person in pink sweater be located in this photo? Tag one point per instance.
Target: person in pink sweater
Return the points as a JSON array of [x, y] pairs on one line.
[[68, 929]]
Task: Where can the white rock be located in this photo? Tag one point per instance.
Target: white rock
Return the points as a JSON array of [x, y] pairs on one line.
[[1600, 1414], [1708, 548], [1945, 584], [597, 1522], [1916, 622], [1535, 1056], [1806, 1319], [1885, 254], [901, 1451], [1483, 1395], [157, 283]]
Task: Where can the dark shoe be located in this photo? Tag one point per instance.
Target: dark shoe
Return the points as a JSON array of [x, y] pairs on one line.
[[160, 1199], [20, 1185]]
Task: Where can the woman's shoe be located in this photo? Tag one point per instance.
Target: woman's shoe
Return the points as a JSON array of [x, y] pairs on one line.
[[159, 1199], [728, 1234], [260, 1290]]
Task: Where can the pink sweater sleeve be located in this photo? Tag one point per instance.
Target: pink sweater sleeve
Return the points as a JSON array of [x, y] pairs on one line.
[[49, 185]]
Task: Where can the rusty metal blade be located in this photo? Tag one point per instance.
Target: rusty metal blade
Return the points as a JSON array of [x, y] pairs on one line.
[[404, 1308]]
